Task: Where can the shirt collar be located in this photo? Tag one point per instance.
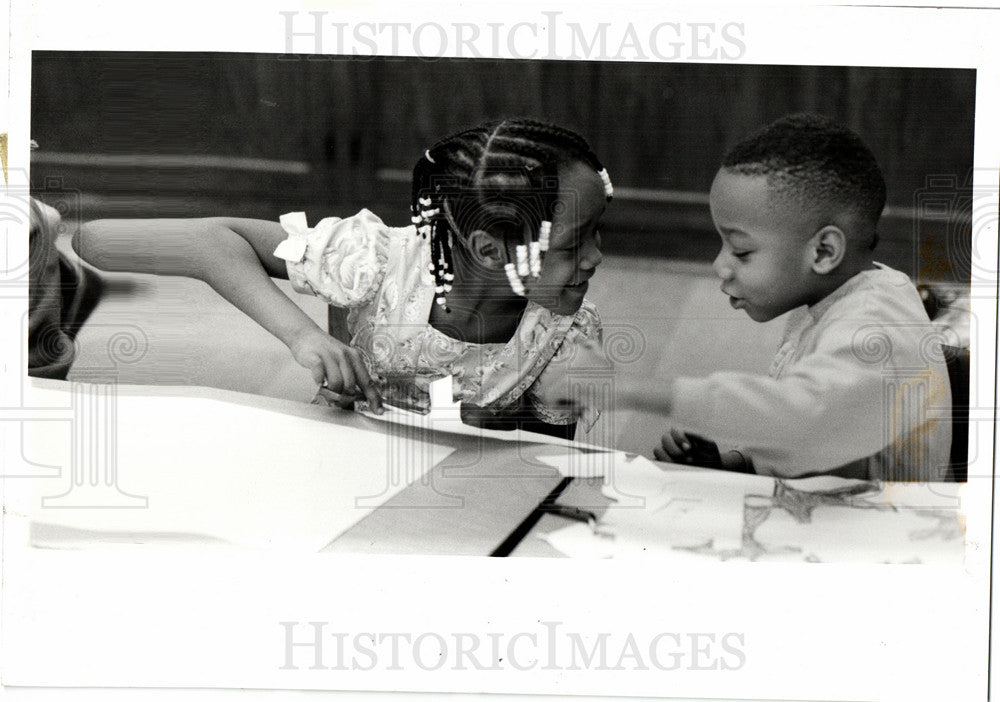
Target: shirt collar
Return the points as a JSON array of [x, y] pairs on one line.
[[850, 285]]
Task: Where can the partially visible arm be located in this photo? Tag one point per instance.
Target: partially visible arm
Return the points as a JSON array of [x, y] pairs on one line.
[[179, 246], [231, 255], [235, 257]]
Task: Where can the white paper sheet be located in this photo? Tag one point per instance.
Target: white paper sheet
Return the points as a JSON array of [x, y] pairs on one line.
[[681, 514], [208, 471]]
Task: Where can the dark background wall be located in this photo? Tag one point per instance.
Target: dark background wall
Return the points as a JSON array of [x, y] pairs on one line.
[[330, 134]]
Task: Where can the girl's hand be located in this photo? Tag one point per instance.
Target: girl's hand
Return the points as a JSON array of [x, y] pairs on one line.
[[337, 366], [328, 398]]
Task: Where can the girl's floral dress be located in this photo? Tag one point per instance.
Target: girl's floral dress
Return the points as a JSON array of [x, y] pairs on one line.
[[381, 274]]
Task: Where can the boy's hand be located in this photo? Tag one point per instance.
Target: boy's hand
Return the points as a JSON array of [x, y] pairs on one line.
[[679, 447], [336, 366]]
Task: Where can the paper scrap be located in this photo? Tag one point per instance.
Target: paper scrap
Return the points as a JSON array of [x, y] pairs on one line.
[[442, 398]]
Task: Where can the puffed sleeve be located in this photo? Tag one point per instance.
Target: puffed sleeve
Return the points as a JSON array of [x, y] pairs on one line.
[[581, 353], [339, 260]]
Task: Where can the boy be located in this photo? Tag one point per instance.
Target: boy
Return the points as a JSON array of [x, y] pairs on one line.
[[859, 386]]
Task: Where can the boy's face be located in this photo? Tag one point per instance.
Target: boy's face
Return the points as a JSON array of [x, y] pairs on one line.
[[765, 262]]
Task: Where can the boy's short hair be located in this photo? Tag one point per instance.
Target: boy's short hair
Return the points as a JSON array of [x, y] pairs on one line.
[[818, 163]]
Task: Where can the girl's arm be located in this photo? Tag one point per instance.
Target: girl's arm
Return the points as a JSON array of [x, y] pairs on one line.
[[235, 257], [230, 255]]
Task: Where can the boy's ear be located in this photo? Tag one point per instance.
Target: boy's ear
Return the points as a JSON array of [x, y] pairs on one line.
[[829, 245], [487, 249]]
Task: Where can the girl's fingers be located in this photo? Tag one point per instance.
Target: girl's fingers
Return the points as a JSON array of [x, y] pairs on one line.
[[333, 399], [318, 372], [327, 394], [659, 454], [323, 397], [334, 379], [364, 382], [314, 364], [347, 374]]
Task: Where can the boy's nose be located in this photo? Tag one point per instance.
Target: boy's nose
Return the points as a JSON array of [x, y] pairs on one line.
[[721, 269]]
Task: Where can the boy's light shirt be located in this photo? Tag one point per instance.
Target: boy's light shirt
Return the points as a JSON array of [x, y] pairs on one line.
[[858, 378]]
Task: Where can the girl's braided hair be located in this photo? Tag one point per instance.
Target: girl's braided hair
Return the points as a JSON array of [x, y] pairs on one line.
[[500, 177]]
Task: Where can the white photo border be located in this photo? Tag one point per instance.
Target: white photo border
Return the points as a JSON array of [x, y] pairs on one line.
[[206, 620]]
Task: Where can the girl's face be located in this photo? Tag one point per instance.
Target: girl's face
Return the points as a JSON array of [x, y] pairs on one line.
[[574, 244]]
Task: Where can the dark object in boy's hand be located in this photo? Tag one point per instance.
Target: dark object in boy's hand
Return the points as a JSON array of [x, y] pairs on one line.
[[679, 447]]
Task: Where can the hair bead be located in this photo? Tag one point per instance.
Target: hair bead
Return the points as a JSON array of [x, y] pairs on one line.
[[522, 260], [516, 284], [535, 258], [544, 232], [609, 189], [464, 166]]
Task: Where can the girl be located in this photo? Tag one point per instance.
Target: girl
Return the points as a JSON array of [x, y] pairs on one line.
[[487, 284]]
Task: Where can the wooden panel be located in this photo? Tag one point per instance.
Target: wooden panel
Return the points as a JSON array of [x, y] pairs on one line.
[[655, 125]]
